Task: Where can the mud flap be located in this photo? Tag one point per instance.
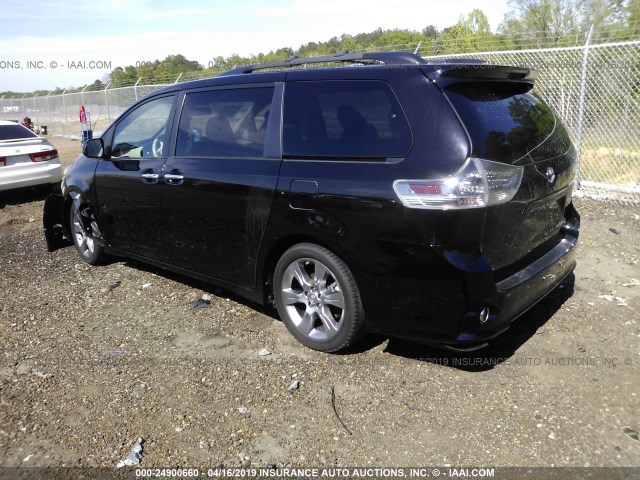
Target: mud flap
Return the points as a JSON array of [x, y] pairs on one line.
[[53, 222]]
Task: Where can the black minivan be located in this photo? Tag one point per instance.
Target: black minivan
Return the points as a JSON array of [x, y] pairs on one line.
[[357, 192]]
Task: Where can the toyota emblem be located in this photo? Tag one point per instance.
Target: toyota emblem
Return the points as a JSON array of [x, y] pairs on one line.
[[551, 175]]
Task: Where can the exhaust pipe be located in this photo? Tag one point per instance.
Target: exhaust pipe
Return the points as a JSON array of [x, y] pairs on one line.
[[485, 315]]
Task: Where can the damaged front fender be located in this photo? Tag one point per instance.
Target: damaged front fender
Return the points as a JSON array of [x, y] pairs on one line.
[[55, 222]]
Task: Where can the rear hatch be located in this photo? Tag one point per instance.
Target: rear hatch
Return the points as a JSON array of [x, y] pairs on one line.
[[508, 123], [18, 151]]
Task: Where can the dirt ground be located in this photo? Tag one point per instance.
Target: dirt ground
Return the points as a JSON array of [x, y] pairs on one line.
[[92, 358]]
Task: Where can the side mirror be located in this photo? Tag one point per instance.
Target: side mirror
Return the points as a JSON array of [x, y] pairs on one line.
[[93, 148]]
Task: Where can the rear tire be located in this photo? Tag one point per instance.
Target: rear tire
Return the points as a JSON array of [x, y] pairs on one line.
[[317, 298], [84, 229]]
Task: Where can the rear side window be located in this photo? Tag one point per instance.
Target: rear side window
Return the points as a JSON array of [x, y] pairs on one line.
[[224, 123], [15, 132], [506, 121], [350, 118]]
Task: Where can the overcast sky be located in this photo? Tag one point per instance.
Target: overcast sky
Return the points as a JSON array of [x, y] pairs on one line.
[[39, 38]]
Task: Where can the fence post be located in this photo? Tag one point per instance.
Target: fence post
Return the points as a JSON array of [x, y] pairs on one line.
[[66, 117], [106, 102], [135, 88], [583, 90], [82, 94], [24, 109], [35, 107], [50, 113]]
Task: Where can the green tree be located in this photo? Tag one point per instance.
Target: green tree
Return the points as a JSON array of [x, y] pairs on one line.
[[470, 34], [400, 40], [430, 31], [631, 17], [543, 23], [351, 44], [123, 76], [96, 85]]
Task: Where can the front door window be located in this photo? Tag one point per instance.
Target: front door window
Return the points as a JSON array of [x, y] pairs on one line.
[[143, 133]]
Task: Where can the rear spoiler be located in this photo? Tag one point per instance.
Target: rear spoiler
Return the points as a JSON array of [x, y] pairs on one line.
[[449, 72]]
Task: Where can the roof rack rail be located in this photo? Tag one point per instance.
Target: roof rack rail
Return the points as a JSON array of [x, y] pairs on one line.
[[388, 58]]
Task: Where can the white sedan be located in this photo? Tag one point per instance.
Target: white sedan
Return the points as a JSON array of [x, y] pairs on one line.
[[26, 159]]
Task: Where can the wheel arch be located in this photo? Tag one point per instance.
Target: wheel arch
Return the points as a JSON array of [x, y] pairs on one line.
[[275, 251], [85, 201], [324, 312], [66, 212]]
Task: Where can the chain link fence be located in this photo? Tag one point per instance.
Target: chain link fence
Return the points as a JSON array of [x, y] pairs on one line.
[[594, 89], [59, 114]]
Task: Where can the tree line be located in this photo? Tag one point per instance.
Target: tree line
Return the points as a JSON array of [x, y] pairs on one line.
[[528, 24]]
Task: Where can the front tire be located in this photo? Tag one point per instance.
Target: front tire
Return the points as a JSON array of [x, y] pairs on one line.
[[317, 298], [84, 230]]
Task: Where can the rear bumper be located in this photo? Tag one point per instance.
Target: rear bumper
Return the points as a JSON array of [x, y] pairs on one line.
[[30, 174], [513, 295], [505, 305], [445, 310]]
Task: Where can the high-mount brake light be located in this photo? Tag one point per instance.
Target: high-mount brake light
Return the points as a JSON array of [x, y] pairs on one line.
[[479, 183]]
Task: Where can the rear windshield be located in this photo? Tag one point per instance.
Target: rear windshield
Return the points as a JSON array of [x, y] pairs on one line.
[[507, 121], [14, 132]]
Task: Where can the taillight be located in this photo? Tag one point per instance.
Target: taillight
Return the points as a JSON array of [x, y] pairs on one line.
[[2, 161], [44, 156], [479, 183]]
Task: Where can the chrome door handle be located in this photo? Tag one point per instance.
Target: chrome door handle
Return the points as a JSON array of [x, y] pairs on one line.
[[150, 176], [172, 177]]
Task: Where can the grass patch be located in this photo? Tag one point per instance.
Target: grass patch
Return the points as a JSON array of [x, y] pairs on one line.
[[615, 166]]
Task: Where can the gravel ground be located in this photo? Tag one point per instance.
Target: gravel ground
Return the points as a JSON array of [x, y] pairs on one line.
[[94, 357]]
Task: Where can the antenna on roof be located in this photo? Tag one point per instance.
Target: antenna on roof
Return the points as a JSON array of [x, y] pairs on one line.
[[415, 52]]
